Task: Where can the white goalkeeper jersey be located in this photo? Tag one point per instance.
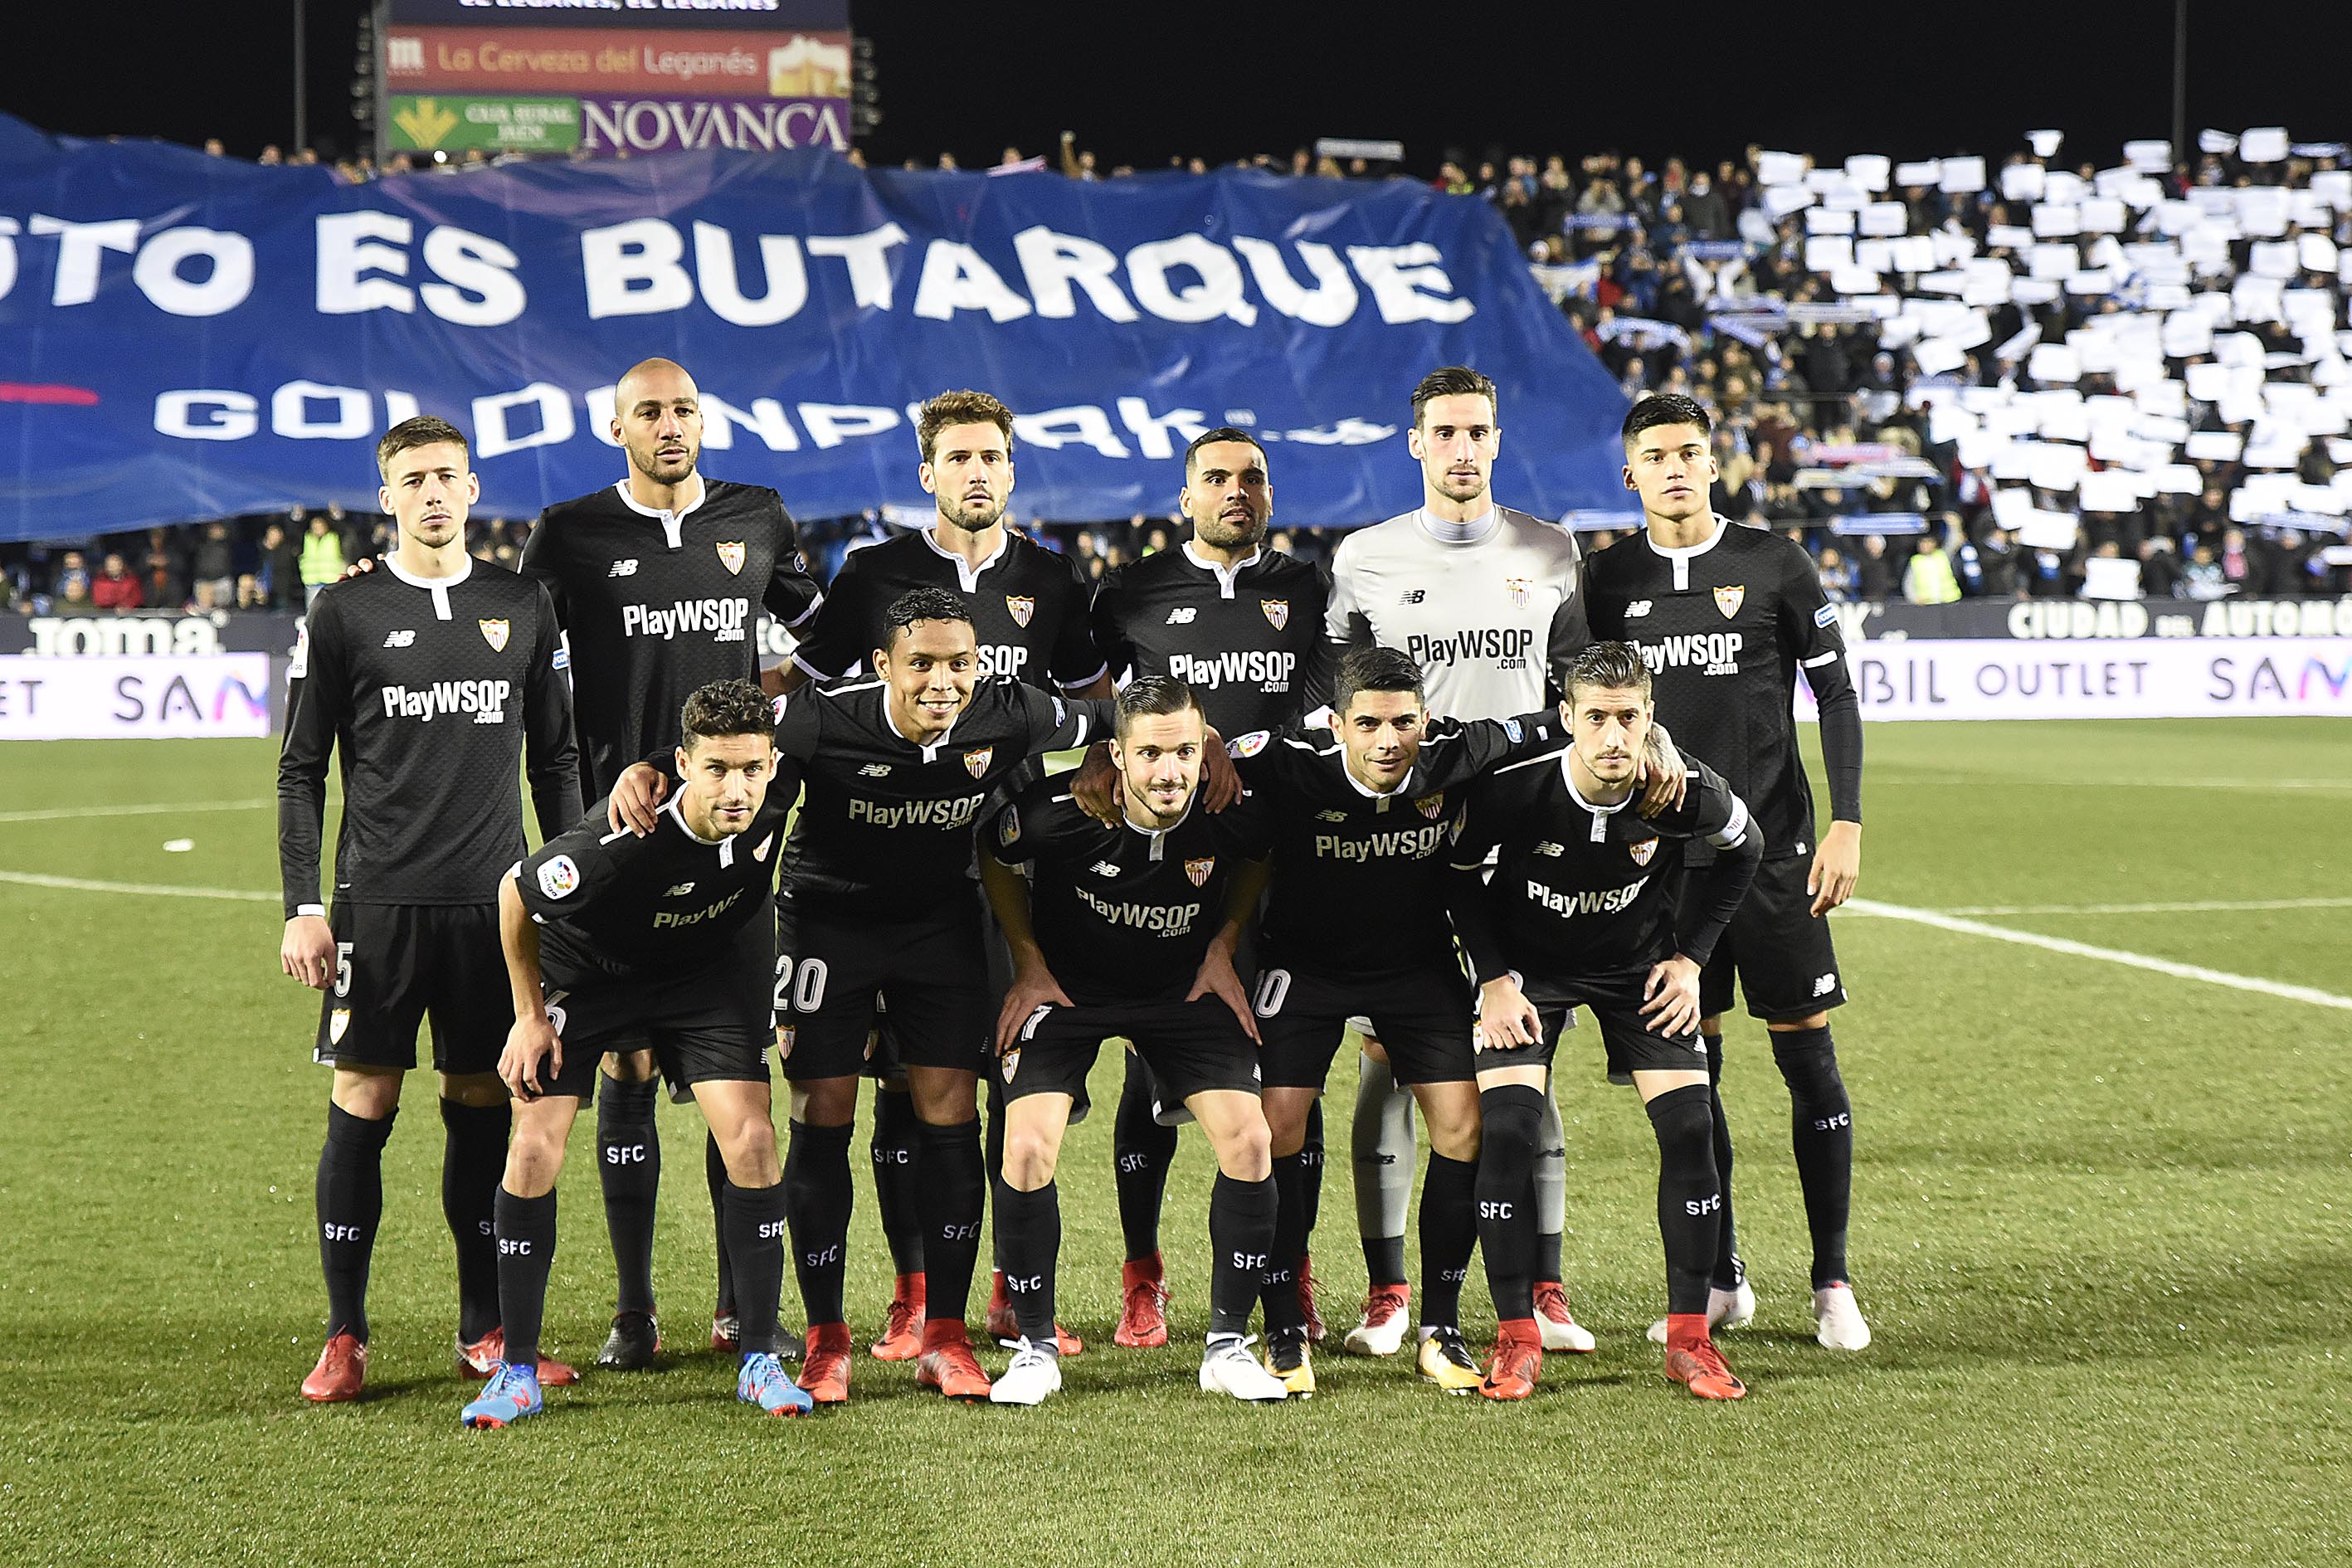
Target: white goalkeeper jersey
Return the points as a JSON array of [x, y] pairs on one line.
[[1488, 608]]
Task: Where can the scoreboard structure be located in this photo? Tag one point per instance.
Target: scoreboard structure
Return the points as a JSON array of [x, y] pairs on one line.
[[611, 77]]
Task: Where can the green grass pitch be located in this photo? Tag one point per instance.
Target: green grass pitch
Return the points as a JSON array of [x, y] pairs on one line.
[[2100, 1230]]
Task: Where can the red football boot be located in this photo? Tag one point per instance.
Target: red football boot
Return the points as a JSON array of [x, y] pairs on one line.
[[824, 1372], [902, 1329], [1143, 1304], [948, 1363], [340, 1373]]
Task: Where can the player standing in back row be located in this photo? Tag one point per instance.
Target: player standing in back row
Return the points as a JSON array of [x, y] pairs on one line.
[[659, 580], [1725, 616], [1486, 601], [434, 678]]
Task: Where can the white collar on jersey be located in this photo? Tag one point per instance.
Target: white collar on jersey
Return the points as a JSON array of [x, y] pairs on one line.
[[1469, 532], [670, 521], [1367, 791], [1159, 835], [437, 586], [1600, 813], [726, 847], [1225, 574], [967, 574], [1681, 557], [930, 751]]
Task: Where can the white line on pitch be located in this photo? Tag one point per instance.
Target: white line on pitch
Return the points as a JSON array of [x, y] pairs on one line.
[[2188, 906], [2318, 998], [153, 890], [160, 808]]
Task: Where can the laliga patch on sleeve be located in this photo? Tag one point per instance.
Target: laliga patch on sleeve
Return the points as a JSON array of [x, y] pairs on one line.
[[558, 877], [563, 659], [1511, 728], [1825, 615], [1248, 745]]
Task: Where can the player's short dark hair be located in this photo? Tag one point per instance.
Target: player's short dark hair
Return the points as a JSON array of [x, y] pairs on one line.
[[425, 430], [1664, 409], [1153, 695], [1612, 665], [952, 408], [1221, 433], [924, 604], [1373, 669], [726, 707], [1452, 380]]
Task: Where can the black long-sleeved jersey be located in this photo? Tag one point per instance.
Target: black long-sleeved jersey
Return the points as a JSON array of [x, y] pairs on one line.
[[1124, 914], [1028, 609], [663, 905], [886, 825], [434, 691], [1585, 889], [1248, 640], [1724, 627], [656, 605], [1358, 886]]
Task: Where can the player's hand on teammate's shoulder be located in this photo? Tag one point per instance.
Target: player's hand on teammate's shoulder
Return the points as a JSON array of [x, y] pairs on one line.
[[364, 563], [532, 1044], [1671, 997], [1666, 776], [636, 799], [1506, 1016], [308, 953], [1221, 782], [1094, 786], [1034, 987], [1837, 866], [1217, 977]]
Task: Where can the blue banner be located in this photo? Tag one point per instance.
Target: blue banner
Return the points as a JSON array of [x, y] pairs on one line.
[[186, 337]]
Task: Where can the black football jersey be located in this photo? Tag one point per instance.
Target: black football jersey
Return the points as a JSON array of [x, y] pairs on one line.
[[1028, 609], [1124, 914], [434, 692], [663, 905], [1724, 628], [1248, 641], [884, 829], [656, 605], [1584, 889], [1358, 886]]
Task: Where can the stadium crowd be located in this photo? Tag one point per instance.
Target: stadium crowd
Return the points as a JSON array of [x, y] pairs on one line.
[[1942, 379]]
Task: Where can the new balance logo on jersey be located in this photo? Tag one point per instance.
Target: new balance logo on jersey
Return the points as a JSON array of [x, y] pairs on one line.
[[1161, 919], [679, 891], [1330, 816], [1506, 646], [1715, 653], [485, 699], [874, 771], [1586, 902], [1637, 609], [1824, 984], [957, 813], [1414, 596], [1183, 616], [1549, 848], [399, 639], [1271, 671], [724, 619], [1104, 869], [622, 569]]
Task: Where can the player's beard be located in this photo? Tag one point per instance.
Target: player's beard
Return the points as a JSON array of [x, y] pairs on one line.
[[971, 522], [1461, 490], [1221, 532], [450, 530], [671, 472], [1144, 806]]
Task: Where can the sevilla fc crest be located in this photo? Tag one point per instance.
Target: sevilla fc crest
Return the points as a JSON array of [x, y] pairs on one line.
[[1020, 607], [1197, 870], [976, 763], [784, 1042], [1727, 600], [1429, 806], [1519, 588], [338, 1021], [495, 633], [1011, 1065], [1642, 851], [1277, 612], [731, 555], [760, 853]]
